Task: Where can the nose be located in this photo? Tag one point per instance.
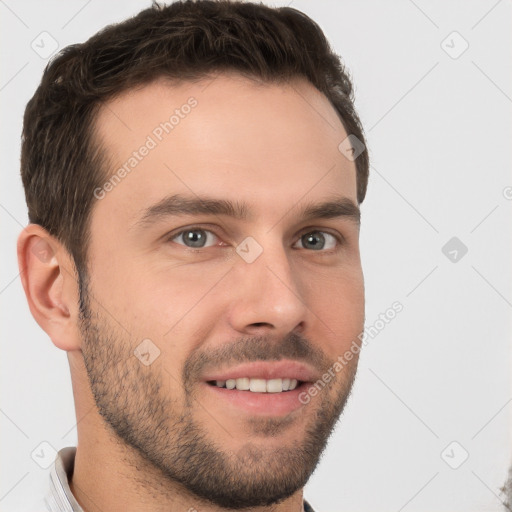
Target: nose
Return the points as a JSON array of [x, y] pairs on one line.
[[268, 295]]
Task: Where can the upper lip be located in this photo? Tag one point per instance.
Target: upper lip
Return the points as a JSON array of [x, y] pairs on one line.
[[286, 369]]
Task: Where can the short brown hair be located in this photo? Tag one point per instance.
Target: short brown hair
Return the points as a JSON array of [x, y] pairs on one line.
[[62, 162]]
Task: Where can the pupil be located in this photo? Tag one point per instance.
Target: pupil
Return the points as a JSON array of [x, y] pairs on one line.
[[310, 239], [195, 237]]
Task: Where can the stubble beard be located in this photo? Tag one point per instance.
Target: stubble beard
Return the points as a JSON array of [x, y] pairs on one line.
[[147, 420]]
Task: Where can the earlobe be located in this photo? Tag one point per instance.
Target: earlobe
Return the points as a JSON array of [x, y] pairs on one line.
[[46, 270]]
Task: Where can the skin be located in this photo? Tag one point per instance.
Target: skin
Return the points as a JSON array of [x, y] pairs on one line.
[[275, 147]]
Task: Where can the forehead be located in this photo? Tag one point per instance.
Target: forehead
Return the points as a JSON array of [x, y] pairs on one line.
[[225, 136]]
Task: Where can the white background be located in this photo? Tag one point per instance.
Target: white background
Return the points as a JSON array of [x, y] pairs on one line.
[[439, 132]]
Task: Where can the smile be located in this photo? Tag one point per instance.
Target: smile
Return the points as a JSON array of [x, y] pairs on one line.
[[257, 385]]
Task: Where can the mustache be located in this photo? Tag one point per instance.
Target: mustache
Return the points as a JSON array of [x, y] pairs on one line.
[[251, 349]]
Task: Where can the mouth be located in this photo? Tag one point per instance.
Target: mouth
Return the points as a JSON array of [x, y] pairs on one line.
[[261, 388], [280, 385]]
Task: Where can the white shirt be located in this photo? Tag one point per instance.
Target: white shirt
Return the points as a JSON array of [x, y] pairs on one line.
[[59, 497]]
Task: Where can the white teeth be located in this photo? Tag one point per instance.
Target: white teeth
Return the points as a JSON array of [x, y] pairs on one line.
[[258, 385], [243, 384], [274, 385]]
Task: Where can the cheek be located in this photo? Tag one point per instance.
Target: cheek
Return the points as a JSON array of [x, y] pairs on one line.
[[158, 297], [175, 308], [338, 303]]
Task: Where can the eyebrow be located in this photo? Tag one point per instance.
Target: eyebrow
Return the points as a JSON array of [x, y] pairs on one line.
[[179, 205]]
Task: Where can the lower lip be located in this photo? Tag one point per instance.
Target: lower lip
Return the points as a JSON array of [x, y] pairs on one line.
[[270, 404]]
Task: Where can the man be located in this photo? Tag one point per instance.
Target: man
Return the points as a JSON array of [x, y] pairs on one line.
[[193, 177]]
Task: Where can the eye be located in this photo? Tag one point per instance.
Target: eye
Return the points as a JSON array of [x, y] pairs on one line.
[[318, 241], [195, 238], [199, 238]]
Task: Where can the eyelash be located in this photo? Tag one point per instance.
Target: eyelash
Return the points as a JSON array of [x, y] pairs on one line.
[[339, 239]]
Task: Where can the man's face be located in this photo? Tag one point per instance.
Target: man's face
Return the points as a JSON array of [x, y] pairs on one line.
[[283, 304]]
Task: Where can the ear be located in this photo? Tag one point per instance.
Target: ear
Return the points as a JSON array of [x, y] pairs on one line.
[[50, 282]]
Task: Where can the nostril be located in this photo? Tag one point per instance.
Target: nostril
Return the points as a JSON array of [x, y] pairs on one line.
[[259, 324]]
